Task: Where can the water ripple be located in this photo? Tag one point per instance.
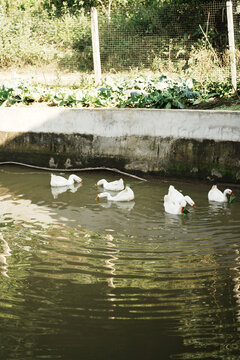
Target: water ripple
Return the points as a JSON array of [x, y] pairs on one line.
[[75, 273]]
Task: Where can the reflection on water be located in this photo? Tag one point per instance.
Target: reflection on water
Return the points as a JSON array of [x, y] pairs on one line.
[[82, 279], [25, 210], [121, 205], [219, 208], [6, 251], [236, 280], [61, 189]]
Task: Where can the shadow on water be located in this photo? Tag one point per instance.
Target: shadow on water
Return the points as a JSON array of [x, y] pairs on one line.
[[103, 280]]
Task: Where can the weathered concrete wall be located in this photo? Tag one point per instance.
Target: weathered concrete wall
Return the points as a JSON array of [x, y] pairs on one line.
[[189, 143]]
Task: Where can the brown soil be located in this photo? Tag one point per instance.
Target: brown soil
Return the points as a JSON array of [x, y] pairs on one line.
[[233, 101], [45, 76]]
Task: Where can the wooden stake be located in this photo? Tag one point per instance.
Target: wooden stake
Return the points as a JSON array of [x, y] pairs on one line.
[[211, 48], [95, 45], [231, 44]]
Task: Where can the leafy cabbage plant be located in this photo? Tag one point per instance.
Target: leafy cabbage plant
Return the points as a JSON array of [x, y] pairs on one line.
[[134, 92], [141, 92]]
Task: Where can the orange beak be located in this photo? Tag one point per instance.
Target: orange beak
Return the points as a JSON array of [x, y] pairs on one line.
[[232, 193], [194, 205], [97, 198], [182, 209]]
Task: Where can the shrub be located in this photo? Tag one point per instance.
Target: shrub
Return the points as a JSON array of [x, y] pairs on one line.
[[38, 38]]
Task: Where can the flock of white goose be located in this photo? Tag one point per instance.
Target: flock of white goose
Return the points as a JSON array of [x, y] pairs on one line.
[[174, 202], [124, 194]]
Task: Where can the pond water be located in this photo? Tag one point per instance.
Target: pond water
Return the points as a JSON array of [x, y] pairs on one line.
[[81, 279]]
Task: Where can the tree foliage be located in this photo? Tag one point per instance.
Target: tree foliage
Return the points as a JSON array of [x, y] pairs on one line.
[[115, 4]]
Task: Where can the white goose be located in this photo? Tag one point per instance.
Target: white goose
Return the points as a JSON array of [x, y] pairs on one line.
[[125, 195], [176, 196], [174, 208], [216, 195], [116, 185], [61, 181]]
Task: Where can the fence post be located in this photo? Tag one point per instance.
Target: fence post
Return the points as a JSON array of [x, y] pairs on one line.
[[95, 45], [231, 44]]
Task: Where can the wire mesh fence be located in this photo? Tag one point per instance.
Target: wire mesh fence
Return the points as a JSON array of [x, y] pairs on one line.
[[157, 40]]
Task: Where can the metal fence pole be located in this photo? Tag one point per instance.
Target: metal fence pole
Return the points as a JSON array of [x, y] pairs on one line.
[[231, 44], [95, 45]]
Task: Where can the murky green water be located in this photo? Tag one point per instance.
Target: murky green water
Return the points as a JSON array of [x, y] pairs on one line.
[[87, 280]]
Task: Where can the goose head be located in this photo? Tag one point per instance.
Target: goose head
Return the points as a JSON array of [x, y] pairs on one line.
[[101, 182], [102, 195], [230, 192], [75, 178]]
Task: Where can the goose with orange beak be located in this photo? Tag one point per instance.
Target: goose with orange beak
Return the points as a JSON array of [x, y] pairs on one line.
[[217, 195], [175, 208], [57, 180]]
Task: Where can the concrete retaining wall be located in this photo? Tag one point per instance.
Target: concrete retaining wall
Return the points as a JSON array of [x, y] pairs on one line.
[[189, 143]]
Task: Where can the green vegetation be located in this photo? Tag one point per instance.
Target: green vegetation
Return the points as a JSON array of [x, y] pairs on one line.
[[143, 92], [40, 39], [53, 35]]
